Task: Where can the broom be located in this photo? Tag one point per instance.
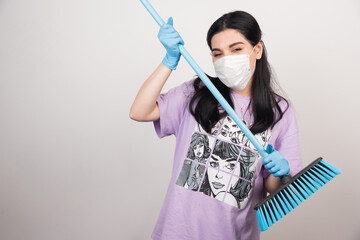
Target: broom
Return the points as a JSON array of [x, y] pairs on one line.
[[293, 190]]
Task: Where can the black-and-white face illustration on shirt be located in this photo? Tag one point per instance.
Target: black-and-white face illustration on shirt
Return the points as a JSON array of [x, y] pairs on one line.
[[222, 164], [228, 177], [193, 168], [231, 131]]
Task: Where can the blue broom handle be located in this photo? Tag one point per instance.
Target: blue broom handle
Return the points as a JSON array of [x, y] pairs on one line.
[[210, 85]]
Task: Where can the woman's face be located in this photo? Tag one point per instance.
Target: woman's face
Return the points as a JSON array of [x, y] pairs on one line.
[[219, 179], [232, 42], [199, 150]]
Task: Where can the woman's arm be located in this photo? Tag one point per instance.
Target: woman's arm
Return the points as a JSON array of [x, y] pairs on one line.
[[288, 144], [144, 107], [271, 183]]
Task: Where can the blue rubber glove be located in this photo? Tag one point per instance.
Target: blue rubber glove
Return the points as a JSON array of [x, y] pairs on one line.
[[275, 162], [170, 38]]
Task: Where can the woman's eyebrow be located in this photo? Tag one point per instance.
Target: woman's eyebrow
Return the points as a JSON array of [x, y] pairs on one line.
[[231, 45], [215, 49], [231, 159]]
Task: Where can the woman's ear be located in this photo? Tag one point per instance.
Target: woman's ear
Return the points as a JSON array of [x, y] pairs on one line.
[[259, 49]]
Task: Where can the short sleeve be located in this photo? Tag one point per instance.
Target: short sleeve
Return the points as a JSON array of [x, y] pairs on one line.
[[172, 106], [287, 142]]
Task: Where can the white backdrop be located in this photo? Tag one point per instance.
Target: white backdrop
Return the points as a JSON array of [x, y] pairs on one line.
[[73, 165]]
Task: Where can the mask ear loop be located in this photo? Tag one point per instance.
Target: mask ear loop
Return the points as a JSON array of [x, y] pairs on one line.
[[255, 47], [250, 54], [252, 50]]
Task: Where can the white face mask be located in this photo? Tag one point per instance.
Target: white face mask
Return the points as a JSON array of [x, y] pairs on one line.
[[234, 70]]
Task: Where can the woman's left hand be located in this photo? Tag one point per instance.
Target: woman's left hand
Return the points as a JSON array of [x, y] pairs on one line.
[[275, 162]]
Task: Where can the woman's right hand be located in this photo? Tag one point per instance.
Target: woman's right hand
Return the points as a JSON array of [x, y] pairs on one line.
[[171, 39]]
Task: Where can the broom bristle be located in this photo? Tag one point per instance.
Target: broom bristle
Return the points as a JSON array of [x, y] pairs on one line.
[[279, 203]]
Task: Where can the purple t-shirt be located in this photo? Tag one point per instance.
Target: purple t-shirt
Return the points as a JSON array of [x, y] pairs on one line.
[[217, 178]]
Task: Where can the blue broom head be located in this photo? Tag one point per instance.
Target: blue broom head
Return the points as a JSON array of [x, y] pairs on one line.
[[293, 192]]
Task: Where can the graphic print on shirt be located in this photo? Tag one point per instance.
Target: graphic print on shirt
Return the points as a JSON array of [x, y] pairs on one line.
[[230, 131], [193, 169], [213, 132], [222, 164]]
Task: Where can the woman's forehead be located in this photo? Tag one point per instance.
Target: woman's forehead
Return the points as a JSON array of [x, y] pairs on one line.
[[227, 37]]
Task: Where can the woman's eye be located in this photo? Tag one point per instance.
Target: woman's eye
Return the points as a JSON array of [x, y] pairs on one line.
[[217, 54], [230, 166], [237, 49], [214, 164]]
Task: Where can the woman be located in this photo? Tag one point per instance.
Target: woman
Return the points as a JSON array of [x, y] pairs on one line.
[[191, 172], [227, 163], [244, 79]]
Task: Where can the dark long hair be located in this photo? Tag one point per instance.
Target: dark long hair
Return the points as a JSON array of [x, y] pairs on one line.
[[264, 100]]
